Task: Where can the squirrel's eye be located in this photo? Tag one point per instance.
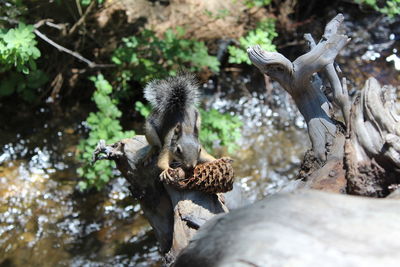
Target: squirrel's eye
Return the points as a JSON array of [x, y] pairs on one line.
[[179, 149]]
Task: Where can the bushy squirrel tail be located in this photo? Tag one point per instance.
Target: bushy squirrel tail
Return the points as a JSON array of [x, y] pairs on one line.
[[173, 94]]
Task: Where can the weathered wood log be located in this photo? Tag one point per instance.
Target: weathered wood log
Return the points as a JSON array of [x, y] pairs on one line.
[[373, 149], [298, 79], [303, 228], [175, 215], [370, 136]]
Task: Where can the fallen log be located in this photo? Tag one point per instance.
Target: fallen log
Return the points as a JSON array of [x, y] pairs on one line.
[[303, 228]]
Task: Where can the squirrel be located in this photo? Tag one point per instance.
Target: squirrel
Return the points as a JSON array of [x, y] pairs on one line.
[[173, 126]]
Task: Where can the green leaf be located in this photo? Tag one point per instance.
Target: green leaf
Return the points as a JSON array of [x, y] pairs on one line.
[[224, 128], [82, 185], [7, 87], [263, 35], [143, 109], [103, 124], [145, 57]]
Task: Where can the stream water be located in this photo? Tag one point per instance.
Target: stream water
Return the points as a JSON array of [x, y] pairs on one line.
[[46, 221]]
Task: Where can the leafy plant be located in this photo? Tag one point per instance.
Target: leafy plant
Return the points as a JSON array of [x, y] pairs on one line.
[[11, 10], [18, 49], [220, 129], [24, 85], [103, 124], [143, 109], [262, 35], [147, 56], [87, 2], [390, 8], [18, 53]]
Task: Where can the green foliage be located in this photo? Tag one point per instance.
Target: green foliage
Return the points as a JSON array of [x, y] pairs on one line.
[[12, 9], [223, 128], [390, 8], [18, 49], [18, 53], [24, 85], [145, 57], [258, 3], [143, 109], [262, 35], [103, 124], [87, 2]]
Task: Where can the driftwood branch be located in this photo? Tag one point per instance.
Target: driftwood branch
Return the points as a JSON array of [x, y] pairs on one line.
[[362, 158], [298, 80], [340, 93], [174, 215]]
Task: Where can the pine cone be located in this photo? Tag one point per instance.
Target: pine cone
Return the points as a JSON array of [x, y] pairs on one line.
[[212, 177]]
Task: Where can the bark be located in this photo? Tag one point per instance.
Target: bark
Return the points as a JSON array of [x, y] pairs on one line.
[[373, 149], [174, 215], [304, 228]]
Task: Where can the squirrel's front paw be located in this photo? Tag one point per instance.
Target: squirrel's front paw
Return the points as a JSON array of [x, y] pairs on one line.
[[165, 176]]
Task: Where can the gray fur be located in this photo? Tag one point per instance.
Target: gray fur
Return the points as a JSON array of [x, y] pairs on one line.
[[173, 94]]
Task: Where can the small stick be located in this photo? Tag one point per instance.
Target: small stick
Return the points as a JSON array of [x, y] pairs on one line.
[[82, 18], [72, 53], [59, 47]]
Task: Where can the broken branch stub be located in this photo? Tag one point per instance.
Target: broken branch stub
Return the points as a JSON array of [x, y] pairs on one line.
[[297, 79]]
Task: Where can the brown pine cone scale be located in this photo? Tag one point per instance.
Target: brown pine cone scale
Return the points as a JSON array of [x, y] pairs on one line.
[[211, 177]]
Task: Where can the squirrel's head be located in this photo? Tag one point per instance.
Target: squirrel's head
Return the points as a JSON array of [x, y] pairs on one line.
[[185, 146]]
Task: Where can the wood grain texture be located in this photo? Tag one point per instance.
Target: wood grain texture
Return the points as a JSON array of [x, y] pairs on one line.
[[303, 228]]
